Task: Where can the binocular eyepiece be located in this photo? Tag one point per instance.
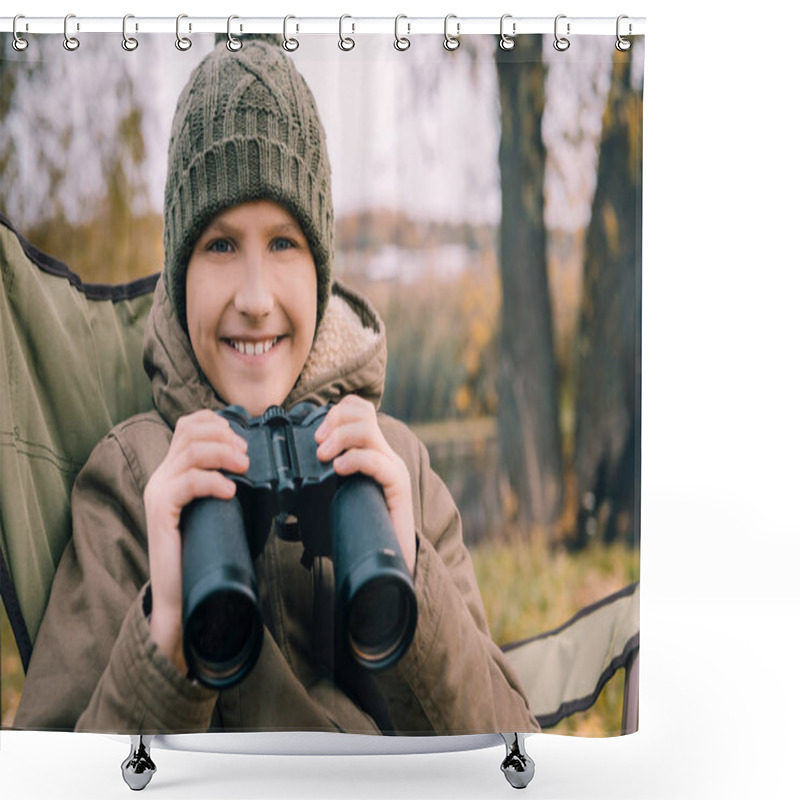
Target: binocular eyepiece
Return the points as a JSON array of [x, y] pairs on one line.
[[345, 519]]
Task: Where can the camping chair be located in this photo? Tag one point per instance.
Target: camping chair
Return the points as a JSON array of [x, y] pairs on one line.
[[48, 427]]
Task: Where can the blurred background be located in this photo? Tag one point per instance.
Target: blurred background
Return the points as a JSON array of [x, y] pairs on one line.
[[489, 205]]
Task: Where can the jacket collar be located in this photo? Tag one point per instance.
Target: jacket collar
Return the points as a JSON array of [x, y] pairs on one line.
[[348, 357]]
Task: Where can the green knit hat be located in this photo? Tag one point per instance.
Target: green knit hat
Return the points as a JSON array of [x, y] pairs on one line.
[[246, 127]]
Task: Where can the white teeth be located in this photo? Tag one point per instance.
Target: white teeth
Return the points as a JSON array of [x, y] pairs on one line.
[[253, 349]]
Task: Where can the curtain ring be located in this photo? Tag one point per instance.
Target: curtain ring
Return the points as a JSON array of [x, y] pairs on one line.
[[622, 44], [233, 44], [70, 42], [561, 43], [290, 45], [507, 42], [183, 43], [401, 43], [345, 42], [129, 43], [451, 42], [18, 43]]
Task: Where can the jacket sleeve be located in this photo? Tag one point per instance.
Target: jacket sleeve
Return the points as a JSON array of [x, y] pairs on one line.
[[453, 679], [94, 666]]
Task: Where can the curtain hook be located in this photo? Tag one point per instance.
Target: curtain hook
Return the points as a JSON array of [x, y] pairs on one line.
[[18, 43], [401, 42], [507, 42], [561, 43], [183, 43], [289, 44], [129, 43], [451, 42], [622, 44], [233, 44], [71, 43], [346, 43]]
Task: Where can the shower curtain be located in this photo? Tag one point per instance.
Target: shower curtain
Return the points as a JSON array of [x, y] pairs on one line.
[[487, 204]]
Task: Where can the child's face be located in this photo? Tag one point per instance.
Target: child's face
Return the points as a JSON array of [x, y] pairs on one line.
[[251, 303]]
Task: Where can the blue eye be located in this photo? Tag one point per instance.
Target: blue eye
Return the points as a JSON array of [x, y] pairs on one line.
[[282, 243], [220, 246]]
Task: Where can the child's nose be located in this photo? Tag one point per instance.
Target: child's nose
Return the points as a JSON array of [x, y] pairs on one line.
[[255, 296]]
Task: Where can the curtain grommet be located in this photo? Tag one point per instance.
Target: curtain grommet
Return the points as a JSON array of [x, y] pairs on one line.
[[289, 44], [233, 44], [451, 42], [346, 43], [18, 43], [561, 43], [129, 43], [507, 42], [401, 43], [623, 44], [183, 43], [71, 43]]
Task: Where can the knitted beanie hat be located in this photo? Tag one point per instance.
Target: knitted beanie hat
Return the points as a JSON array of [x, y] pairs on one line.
[[246, 127]]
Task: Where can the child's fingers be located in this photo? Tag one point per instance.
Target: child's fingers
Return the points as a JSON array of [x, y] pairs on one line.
[[198, 483], [205, 426], [360, 433], [189, 424], [166, 498], [350, 409], [389, 472], [210, 455], [367, 462]]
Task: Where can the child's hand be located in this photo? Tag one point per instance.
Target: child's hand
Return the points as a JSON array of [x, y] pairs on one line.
[[350, 436], [203, 444]]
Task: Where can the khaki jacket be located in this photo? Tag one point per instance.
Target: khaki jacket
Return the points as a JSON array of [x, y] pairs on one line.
[[95, 667]]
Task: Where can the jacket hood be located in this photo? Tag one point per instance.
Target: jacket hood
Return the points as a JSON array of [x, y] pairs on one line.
[[348, 357]]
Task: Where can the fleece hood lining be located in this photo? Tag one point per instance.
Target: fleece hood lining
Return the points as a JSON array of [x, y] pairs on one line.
[[343, 336]]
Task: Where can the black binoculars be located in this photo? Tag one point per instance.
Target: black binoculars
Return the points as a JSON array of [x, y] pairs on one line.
[[345, 519]]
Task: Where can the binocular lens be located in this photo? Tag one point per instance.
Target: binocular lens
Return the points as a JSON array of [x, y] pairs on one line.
[[374, 591], [224, 635], [379, 621]]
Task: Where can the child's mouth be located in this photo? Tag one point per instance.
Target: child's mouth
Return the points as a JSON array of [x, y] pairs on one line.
[[251, 348]]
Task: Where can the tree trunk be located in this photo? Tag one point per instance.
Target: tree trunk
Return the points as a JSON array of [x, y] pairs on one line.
[[530, 440], [608, 418]]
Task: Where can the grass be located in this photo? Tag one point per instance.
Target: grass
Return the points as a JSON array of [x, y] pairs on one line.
[[527, 588]]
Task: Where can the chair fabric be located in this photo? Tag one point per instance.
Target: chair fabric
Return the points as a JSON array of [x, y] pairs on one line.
[[71, 368], [564, 670]]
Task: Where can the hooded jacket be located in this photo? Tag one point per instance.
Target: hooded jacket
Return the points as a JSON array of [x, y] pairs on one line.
[[95, 667]]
